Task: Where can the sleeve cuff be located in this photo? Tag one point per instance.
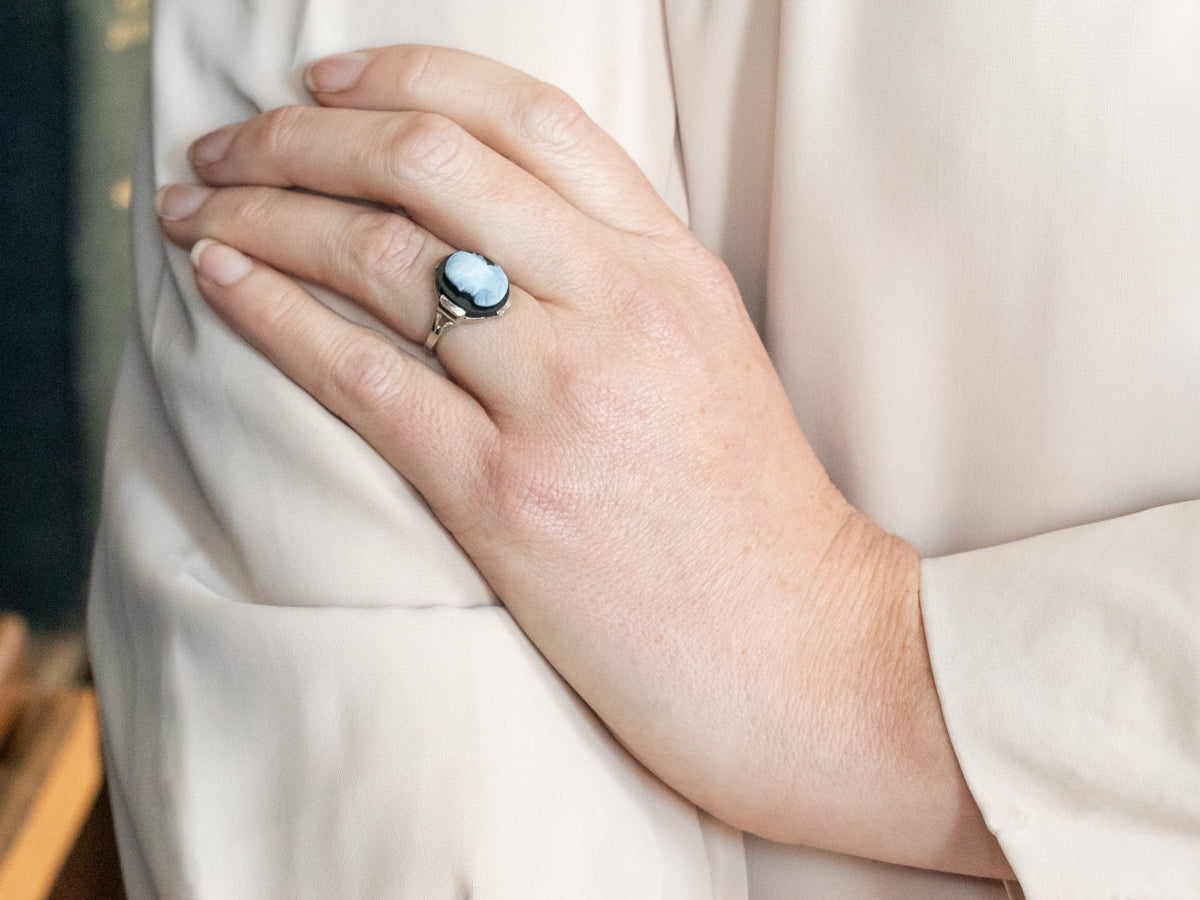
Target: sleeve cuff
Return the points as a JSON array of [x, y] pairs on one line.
[[1068, 667]]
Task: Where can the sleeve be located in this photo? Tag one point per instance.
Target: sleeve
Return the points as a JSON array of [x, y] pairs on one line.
[[308, 690], [1068, 667]]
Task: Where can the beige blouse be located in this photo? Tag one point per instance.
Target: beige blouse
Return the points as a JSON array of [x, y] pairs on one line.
[[970, 235]]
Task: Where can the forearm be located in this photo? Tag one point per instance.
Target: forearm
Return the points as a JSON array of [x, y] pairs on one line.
[[799, 708], [620, 461]]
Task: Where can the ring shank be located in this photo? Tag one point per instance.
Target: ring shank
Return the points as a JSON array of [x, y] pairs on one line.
[[442, 323]]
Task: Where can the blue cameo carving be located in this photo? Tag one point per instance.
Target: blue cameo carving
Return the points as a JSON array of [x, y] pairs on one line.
[[473, 282]]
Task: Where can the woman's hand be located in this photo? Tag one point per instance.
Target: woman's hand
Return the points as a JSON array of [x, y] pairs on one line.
[[616, 454]]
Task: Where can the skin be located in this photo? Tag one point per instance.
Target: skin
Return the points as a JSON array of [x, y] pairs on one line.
[[616, 454]]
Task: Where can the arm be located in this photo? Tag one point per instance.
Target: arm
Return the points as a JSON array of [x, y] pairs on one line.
[[308, 689], [746, 575], [1172, 599]]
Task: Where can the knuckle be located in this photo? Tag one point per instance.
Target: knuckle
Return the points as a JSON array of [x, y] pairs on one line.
[[531, 497], [712, 275], [251, 209], [672, 298], [713, 280], [549, 115], [664, 325], [417, 64], [640, 293], [584, 389], [427, 147], [385, 249], [274, 314], [365, 371], [279, 128]]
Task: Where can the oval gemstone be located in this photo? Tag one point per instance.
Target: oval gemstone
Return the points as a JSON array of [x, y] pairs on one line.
[[474, 275]]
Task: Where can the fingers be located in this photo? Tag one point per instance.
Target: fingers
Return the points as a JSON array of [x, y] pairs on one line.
[[456, 188], [534, 124], [382, 260], [424, 425]]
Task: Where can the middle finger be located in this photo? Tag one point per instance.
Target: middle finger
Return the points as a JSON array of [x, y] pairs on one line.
[[446, 180]]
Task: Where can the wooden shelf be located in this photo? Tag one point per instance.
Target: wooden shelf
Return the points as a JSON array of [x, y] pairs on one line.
[[50, 776]]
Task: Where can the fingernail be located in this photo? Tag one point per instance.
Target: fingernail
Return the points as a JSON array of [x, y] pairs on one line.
[[178, 201], [219, 263], [212, 146], [334, 73]]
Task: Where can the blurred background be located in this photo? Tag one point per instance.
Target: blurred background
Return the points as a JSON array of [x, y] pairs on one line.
[[71, 100], [72, 90]]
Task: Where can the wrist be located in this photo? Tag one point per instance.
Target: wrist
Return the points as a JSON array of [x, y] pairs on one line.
[[918, 810]]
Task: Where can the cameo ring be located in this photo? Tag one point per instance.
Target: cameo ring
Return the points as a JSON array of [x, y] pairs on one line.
[[470, 288]]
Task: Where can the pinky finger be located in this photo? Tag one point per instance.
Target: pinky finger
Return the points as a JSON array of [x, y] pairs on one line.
[[430, 430]]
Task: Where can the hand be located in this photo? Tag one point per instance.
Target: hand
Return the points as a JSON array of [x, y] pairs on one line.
[[616, 454]]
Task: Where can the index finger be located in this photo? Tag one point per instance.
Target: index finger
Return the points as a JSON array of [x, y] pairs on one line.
[[536, 125]]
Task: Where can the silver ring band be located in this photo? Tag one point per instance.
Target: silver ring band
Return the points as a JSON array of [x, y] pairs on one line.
[[442, 323]]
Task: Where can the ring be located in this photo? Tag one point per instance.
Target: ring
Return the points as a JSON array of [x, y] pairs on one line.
[[470, 287]]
